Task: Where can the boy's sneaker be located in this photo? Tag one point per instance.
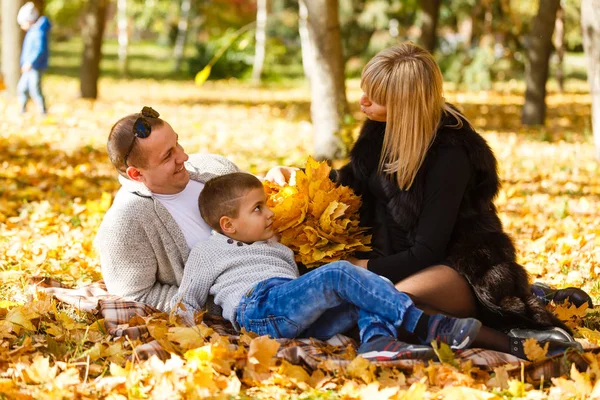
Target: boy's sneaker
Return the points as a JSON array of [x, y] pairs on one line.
[[387, 348], [458, 333]]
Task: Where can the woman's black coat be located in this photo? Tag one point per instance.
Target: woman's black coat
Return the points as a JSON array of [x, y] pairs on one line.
[[478, 247]]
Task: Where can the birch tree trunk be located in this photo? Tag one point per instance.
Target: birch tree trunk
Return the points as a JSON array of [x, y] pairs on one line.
[[590, 25], [261, 38], [92, 32], [182, 31], [327, 83], [11, 45], [559, 46], [123, 36], [431, 11], [539, 47], [305, 44]]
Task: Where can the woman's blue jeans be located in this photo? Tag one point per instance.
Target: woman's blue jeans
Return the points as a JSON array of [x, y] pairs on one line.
[[30, 85], [328, 300]]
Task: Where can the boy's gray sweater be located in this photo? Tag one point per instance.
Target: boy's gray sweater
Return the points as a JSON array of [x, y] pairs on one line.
[[142, 249], [228, 269]]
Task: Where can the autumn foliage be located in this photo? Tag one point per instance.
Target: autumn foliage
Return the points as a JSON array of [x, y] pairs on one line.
[[316, 218], [56, 183]]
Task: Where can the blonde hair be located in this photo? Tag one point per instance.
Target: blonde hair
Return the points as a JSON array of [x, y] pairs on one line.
[[408, 82]]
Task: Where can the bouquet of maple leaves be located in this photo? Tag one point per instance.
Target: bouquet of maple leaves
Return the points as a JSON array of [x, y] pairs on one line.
[[316, 218]]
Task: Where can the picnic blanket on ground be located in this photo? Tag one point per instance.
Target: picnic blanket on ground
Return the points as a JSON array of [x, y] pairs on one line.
[[117, 312]]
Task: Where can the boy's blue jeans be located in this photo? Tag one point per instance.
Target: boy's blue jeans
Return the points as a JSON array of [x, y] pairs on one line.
[[30, 85], [327, 301]]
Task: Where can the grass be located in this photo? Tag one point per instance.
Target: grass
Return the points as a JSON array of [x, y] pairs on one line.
[[146, 60], [150, 60]]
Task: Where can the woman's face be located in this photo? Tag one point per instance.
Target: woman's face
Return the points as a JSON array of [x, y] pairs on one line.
[[372, 110]]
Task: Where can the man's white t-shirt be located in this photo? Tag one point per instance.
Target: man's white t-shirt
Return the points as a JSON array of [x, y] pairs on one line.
[[183, 207]]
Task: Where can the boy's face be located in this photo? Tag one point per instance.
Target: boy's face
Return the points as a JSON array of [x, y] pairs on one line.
[[26, 25], [255, 220]]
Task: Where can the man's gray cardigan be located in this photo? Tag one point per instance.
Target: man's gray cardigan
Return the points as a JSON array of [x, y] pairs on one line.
[[142, 249]]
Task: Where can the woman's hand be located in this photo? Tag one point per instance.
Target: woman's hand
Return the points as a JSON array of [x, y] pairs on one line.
[[357, 262], [281, 175]]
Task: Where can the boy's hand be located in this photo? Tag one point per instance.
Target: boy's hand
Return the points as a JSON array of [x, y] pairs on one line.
[[25, 68], [281, 175], [357, 262]]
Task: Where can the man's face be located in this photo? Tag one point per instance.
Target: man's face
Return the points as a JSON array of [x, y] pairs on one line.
[[26, 25], [255, 220], [164, 172]]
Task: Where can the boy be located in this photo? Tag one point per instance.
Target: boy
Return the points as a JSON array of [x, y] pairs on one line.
[[255, 280], [34, 56]]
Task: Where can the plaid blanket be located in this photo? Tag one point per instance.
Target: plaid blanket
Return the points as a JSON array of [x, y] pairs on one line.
[[311, 353]]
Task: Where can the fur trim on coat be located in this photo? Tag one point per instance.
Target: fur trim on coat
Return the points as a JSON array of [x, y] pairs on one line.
[[479, 249]]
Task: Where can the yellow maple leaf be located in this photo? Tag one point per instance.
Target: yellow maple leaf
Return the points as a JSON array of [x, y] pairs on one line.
[[40, 371], [20, 317], [361, 368], [568, 312], [261, 352], [189, 338], [294, 372], [316, 218], [517, 388], [201, 355], [591, 335], [582, 381], [444, 353], [500, 378], [465, 393], [534, 351]]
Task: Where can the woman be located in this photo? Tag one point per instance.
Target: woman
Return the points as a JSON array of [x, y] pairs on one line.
[[427, 182]]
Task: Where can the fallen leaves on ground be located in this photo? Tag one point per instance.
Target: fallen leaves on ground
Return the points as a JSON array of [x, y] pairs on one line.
[[56, 184]]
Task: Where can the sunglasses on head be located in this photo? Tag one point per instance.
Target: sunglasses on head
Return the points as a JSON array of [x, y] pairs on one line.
[[141, 128]]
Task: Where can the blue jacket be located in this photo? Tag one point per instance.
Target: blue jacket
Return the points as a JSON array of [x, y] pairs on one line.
[[35, 45]]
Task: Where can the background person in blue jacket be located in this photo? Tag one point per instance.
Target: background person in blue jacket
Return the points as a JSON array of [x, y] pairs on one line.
[[34, 56]]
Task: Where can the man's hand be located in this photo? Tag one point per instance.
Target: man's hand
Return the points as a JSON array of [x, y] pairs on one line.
[[25, 68], [281, 175], [357, 262]]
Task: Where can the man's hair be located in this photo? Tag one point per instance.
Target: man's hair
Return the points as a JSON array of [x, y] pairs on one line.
[[120, 138], [221, 197]]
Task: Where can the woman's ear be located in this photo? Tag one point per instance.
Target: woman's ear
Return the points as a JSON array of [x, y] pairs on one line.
[[227, 225], [134, 174]]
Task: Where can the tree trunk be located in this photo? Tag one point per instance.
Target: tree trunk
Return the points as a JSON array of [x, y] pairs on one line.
[[92, 32], [182, 31], [307, 51], [11, 45], [559, 46], [431, 11], [261, 37], [539, 47], [590, 24], [123, 37], [328, 87]]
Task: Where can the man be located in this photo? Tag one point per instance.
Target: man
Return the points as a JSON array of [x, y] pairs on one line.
[[146, 236]]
